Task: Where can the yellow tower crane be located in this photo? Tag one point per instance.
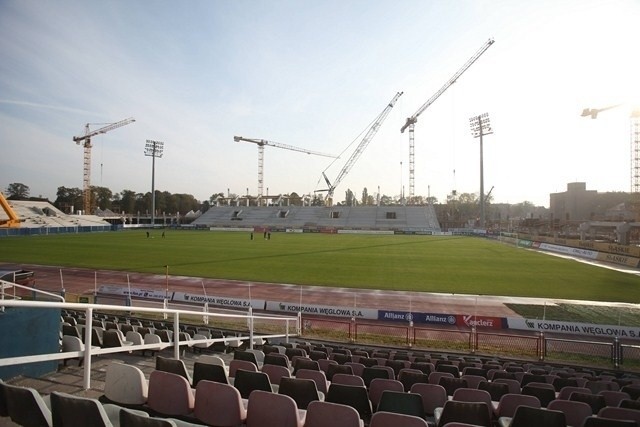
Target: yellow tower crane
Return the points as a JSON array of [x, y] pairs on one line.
[[85, 140], [13, 221]]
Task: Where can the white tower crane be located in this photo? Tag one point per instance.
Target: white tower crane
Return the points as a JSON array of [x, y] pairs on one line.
[[360, 148], [634, 119], [85, 140], [261, 143], [411, 121]]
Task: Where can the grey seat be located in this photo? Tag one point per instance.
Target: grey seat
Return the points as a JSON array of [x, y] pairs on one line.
[[26, 407]]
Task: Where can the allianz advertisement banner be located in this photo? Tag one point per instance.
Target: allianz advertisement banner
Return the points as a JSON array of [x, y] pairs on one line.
[[461, 320], [609, 331], [421, 318]]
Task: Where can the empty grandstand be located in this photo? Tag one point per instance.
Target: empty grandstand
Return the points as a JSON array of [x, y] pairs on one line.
[[37, 217], [397, 219]]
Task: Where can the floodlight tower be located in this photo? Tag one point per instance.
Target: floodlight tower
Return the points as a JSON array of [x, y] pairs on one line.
[[411, 121], [480, 126], [153, 149]]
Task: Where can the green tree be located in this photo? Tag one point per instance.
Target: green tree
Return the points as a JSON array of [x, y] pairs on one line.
[[365, 196], [17, 191], [295, 199], [68, 199], [317, 200], [185, 203], [432, 200], [214, 197], [386, 200], [101, 197], [416, 200], [143, 203], [128, 201], [349, 198]]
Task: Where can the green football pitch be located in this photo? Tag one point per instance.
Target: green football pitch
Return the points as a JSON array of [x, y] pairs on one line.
[[449, 264]]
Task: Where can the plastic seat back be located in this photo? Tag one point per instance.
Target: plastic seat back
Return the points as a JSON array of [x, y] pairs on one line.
[[170, 394], [25, 406], [620, 413], [276, 373], [317, 376], [475, 413], [574, 412], [272, 410], [248, 381], [302, 391], [496, 390], [409, 377], [509, 403], [387, 419], [236, 365], [68, 410], [526, 416], [354, 396], [174, 366], [347, 379], [322, 414], [379, 385], [596, 401], [433, 396], [401, 403], [209, 372], [126, 384], [131, 419], [219, 404]]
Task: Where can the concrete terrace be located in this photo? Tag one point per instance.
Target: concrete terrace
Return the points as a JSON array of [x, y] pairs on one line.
[[384, 218]]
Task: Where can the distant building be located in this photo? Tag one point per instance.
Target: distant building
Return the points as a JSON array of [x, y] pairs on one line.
[[580, 204]]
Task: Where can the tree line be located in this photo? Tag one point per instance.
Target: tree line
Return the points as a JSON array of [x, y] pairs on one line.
[[458, 208], [69, 200]]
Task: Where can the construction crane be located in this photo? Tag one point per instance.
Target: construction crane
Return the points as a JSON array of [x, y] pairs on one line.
[[13, 220], [411, 121], [85, 140], [593, 112], [634, 119], [359, 149], [261, 144]]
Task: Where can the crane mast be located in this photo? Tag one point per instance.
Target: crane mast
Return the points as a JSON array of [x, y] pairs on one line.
[[360, 148], [411, 121], [85, 140], [261, 144]]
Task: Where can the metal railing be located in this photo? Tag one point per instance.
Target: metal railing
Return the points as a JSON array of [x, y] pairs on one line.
[[89, 310], [11, 285], [538, 346]]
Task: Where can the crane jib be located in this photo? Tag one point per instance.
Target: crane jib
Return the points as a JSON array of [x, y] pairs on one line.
[[413, 119]]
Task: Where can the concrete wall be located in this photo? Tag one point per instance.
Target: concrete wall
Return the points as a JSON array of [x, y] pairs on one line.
[[28, 331]]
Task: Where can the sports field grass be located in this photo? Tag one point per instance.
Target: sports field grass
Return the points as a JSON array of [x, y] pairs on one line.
[[447, 264]]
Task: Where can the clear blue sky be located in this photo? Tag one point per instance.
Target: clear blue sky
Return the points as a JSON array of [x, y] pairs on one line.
[[314, 74]]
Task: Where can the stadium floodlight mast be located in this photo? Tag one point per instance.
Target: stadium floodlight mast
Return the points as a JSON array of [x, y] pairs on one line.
[[153, 149], [480, 126]]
